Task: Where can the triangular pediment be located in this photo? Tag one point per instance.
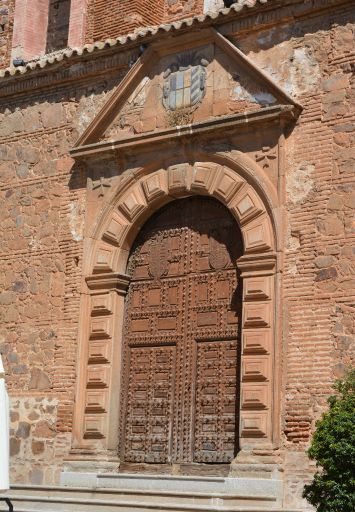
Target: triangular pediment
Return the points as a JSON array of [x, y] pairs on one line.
[[184, 82]]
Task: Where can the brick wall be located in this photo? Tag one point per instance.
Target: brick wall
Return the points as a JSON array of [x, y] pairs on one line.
[[178, 9], [118, 17], [43, 26], [30, 29]]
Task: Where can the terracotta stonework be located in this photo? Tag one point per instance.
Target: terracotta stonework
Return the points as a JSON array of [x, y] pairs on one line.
[[108, 256], [177, 225]]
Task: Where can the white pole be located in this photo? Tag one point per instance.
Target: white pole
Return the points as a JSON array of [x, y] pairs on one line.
[[4, 432]]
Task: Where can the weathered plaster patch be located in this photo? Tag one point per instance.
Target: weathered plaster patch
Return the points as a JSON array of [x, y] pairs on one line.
[[76, 219], [304, 73], [300, 183], [265, 98], [296, 70], [262, 97], [273, 36], [293, 242], [88, 109], [212, 5]]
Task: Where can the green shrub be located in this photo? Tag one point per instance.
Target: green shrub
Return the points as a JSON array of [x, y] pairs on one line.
[[333, 449]]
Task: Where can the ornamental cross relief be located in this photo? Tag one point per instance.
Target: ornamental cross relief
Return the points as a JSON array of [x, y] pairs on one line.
[[101, 184]]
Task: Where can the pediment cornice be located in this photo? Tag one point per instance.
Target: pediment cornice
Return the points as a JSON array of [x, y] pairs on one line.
[[91, 139], [286, 113]]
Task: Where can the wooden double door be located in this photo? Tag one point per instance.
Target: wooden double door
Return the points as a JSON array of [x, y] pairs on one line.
[[181, 337]]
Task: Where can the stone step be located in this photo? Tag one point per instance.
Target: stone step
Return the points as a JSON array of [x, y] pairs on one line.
[[139, 507], [256, 487], [59, 499], [105, 499]]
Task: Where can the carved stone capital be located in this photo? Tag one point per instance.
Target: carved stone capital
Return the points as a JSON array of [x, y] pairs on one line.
[[108, 281]]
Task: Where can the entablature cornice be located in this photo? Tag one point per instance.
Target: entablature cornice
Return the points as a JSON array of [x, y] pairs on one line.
[[279, 113]]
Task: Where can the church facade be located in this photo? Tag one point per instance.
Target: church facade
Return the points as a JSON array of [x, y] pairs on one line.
[[177, 226]]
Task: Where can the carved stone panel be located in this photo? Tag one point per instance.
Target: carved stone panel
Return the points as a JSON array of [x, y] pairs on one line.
[[182, 337]]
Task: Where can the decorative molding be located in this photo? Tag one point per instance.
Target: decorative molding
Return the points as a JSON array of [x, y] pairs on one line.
[[108, 281], [59, 76], [223, 123], [101, 184], [97, 127], [266, 155], [106, 56], [259, 264], [118, 224]]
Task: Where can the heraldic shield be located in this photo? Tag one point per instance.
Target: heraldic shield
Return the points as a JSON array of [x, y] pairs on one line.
[[184, 88]]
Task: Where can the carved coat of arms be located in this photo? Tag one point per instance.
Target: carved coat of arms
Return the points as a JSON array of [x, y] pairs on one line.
[[158, 257], [184, 84]]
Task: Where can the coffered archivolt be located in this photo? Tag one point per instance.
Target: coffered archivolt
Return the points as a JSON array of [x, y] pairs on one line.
[[245, 191]]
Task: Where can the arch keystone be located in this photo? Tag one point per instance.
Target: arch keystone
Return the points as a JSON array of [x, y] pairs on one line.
[[203, 176], [177, 178]]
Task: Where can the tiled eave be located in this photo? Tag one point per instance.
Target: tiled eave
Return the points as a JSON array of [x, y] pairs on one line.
[[240, 9], [243, 15], [141, 36]]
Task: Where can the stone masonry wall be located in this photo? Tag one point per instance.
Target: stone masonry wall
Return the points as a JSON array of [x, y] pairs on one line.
[[314, 61], [41, 221], [7, 8]]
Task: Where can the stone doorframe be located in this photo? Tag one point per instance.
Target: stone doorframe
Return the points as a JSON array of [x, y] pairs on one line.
[[243, 187]]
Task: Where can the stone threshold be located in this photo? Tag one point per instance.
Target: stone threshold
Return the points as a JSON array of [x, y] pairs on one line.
[[37, 498], [256, 487]]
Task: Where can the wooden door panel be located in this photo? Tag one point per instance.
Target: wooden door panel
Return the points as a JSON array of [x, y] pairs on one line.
[[215, 401], [149, 406], [182, 337]]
